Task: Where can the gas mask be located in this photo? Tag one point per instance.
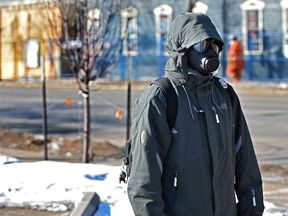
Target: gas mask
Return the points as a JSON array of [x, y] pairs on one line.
[[204, 56]]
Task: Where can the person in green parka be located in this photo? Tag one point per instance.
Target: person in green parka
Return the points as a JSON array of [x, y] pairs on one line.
[[206, 164]]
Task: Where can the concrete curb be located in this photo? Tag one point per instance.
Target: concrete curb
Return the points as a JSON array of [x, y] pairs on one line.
[[88, 205]]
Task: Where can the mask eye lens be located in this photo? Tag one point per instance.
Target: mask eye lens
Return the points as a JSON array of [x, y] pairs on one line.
[[197, 47], [215, 46], [201, 46]]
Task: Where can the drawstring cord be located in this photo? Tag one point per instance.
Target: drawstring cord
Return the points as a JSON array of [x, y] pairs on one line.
[[213, 108], [190, 107]]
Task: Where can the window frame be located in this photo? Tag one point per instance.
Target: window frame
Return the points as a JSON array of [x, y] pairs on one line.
[[162, 10], [200, 7], [94, 25], [129, 13], [258, 6], [284, 6]]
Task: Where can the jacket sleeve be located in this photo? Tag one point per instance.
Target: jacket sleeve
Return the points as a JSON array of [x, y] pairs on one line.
[[248, 181], [150, 143]]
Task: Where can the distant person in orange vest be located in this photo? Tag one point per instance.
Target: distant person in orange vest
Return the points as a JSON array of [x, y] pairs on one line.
[[235, 59]]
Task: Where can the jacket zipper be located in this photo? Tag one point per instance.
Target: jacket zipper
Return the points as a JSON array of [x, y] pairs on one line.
[[175, 194]]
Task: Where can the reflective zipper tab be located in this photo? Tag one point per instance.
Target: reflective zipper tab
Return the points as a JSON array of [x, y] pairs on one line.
[[198, 111], [175, 183], [217, 119], [216, 114], [253, 197]]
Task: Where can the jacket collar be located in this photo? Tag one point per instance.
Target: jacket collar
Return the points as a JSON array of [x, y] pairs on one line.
[[196, 79]]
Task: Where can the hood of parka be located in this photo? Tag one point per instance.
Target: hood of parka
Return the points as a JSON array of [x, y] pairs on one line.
[[186, 30]]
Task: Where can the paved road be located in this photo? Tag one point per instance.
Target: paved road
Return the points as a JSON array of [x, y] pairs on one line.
[[267, 117], [21, 109]]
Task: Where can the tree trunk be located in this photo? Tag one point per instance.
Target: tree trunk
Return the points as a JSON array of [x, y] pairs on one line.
[[86, 126], [190, 5]]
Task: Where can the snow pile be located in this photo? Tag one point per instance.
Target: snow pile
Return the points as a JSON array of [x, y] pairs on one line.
[[60, 186]]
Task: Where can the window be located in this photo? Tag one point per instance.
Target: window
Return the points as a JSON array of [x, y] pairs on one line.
[[284, 5], [93, 23], [130, 31], [163, 15], [32, 53], [200, 8], [252, 26]]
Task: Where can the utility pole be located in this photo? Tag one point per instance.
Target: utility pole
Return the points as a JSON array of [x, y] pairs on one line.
[[225, 31], [128, 119], [43, 79]]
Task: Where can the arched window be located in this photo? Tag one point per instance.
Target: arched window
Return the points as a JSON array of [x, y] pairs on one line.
[[200, 8], [284, 5], [94, 23], [130, 31], [163, 16], [252, 26]]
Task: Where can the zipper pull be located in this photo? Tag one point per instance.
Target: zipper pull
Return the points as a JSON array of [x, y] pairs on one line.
[[216, 114], [253, 197], [175, 183], [198, 111]]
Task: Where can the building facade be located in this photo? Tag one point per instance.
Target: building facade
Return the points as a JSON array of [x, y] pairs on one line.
[[27, 45], [261, 25]]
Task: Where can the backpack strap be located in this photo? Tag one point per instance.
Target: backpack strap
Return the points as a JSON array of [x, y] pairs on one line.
[[172, 101], [172, 106]]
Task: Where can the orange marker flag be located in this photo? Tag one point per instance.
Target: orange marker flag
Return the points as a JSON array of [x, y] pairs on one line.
[[68, 101], [119, 113]]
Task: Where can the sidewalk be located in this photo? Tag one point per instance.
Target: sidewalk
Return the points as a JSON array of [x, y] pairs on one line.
[[261, 87], [241, 87]]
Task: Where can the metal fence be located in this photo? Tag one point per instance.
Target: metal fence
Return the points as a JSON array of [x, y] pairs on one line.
[[270, 65], [147, 64]]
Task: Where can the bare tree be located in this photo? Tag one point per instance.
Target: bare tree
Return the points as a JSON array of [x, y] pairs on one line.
[[91, 41]]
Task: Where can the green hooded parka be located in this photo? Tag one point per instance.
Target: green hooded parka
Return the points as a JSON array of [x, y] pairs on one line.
[[205, 165]]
